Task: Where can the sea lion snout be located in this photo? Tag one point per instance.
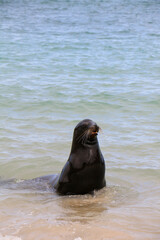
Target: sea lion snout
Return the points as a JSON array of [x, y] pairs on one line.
[[94, 130], [95, 133]]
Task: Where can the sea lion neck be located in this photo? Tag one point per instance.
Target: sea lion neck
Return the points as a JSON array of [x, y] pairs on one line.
[[87, 145]]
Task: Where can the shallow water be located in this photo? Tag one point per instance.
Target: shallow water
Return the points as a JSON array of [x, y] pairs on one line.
[[61, 62]]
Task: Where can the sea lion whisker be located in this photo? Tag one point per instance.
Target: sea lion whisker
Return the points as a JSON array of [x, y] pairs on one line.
[[85, 136], [81, 136]]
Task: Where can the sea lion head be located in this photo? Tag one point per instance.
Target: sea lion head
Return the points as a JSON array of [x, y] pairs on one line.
[[85, 133]]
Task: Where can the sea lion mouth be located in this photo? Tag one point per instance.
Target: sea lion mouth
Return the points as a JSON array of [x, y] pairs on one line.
[[95, 133], [94, 130]]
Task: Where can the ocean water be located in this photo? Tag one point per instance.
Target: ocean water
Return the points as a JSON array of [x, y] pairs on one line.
[[62, 61]]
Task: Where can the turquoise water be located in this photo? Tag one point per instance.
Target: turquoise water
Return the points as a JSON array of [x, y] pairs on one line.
[[61, 62]]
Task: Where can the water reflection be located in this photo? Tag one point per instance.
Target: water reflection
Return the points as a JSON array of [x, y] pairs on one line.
[[75, 208], [85, 208]]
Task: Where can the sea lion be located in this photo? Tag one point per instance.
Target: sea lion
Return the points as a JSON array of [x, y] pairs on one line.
[[84, 171]]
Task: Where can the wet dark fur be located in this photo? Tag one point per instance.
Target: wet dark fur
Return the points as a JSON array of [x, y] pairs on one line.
[[84, 171]]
